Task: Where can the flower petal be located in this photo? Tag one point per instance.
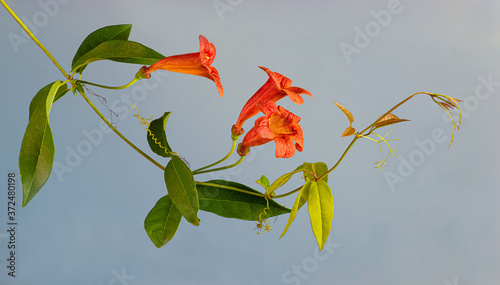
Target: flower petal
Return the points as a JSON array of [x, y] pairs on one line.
[[294, 94], [284, 147]]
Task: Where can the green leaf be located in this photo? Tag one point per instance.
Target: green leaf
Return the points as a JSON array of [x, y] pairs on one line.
[[182, 190], [237, 205], [263, 181], [162, 221], [63, 89], [37, 148], [318, 169], [120, 51], [157, 137], [115, 32], [320, 204], [283, 179], [77, 87], [299, 202]]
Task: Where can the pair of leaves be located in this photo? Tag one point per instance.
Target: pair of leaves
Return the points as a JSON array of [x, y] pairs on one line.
[[320, 205], [317, 193], [36, 157], [350, 130], [111, 43], [384, 120], [182, 201]]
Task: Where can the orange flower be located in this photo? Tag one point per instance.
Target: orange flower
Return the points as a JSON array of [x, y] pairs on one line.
[[276, 87], [198, 63], [279, 125]]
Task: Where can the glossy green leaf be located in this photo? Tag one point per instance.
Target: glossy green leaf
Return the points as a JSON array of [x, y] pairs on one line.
[[37, 148], [237, 205], [162, 221], [157, 137], [320, 204], [182, 190], [119, 51], [299, 202], [115, 32]]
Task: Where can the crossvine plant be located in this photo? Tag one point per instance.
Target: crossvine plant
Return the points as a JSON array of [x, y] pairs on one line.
[[186, 196]]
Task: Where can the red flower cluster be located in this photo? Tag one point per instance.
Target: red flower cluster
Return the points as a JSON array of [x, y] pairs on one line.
[[278, 124], [275, 88]]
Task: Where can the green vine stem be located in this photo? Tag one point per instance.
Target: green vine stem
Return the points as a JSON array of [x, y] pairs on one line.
[[119, 134], [109, 87], [287, 194], [360, 134], [221, 168], [199, 170], [340, 159], [32, 36]]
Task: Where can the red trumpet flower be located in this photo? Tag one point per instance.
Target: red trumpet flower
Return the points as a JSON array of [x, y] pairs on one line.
[[276, 87], [198, 63]]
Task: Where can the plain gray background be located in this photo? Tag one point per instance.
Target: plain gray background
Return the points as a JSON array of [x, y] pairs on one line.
[[439, 224]]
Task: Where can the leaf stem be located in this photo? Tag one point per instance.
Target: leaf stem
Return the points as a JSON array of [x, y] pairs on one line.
[[219, 161], [32, 36], [221, 168], [287, 194], [340, 159], [119, 134], [388, 112], [109, 87]]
